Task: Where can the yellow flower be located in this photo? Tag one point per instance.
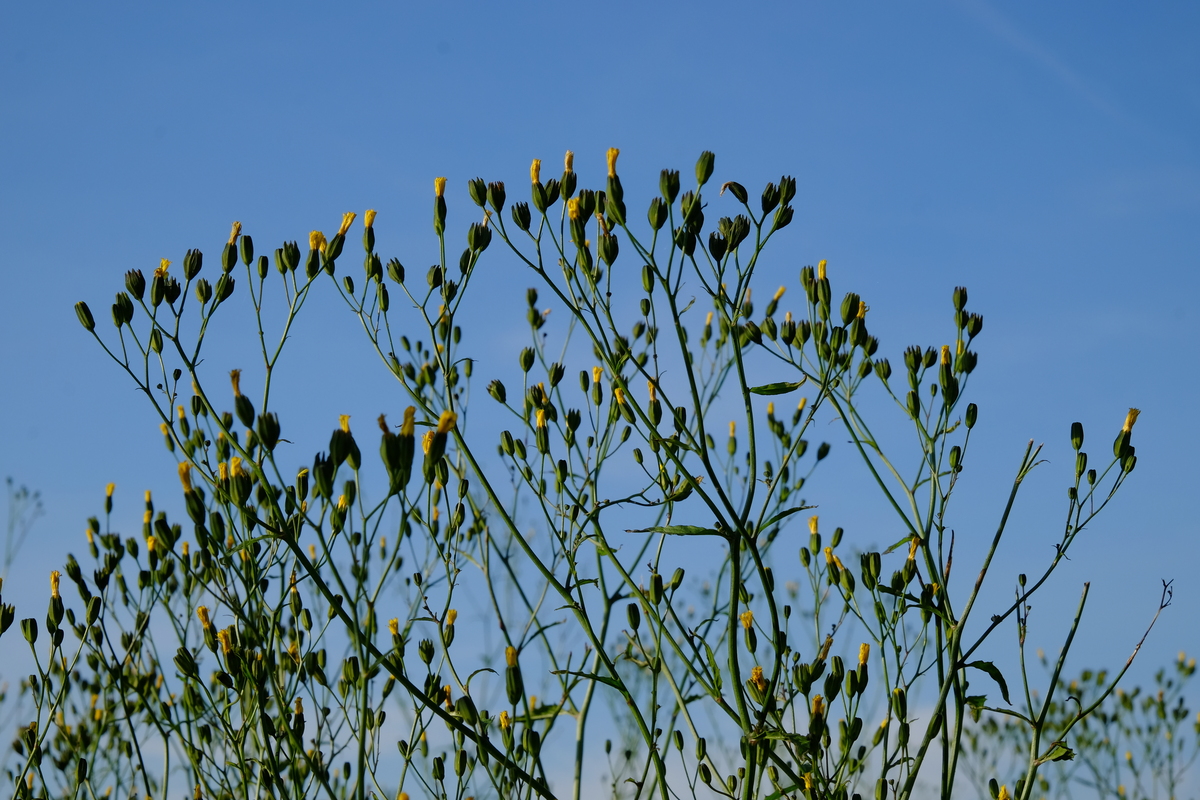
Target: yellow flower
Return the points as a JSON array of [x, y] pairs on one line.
[[55, 576], [732, 428], [573, 211], [447, 421], [611, 157], [223, 471], [862, 311], [342, 503], [224, 639], [779, 293], [439, 187], [235, 233], [808, 781], [344, 422], [803, 402], [945, 354], [770, 409], [347, 220], [535, 171], [619, 394], [394, 626], [864, 652], [1130, 419], [235, 378], [569, 161], [757, 679], [451, 616], [510, 656], [747, 618], [151, 544], [161, 272], [90, 536], [426, 441], [1004, 795], [108, 490], [818, 706], [316, 241], [299, 706], [202, 613], [235, 467], [406, 428], [184, 549], [541, 418], [369, 218], [812, 524], [596, 373], [821, 269], [829, 556], [912, 547], [147, 515], [650, 388], [505, 719], [185, 475]]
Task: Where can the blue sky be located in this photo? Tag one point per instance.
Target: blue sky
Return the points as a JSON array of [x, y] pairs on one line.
[[1045, 155]]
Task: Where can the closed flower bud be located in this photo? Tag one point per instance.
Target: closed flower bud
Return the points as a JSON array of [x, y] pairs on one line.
[[668, 184], [85, 316], [1077, 435]]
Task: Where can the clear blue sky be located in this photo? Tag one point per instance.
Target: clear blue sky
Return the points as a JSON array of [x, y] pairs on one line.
[[1045, 155]]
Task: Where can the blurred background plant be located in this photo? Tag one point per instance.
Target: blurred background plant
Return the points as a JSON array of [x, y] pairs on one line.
[[296, 635]]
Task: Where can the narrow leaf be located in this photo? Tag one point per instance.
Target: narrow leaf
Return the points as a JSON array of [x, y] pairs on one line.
[[994, 674], [777, 388]]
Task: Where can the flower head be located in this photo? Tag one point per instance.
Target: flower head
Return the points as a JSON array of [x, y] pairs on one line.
[[757, 679], [779, 293], [619, 394], [864, 652], [862, 311], [347, 220], [573, 211], [185, 475], [747, 618], [451, 616], [569, 161], [235, 467], [108, 490], [505, 721], [771, 409], [316, 241], [812, 524], [945, 354], [163, 266], [406, 428], [1130, 419], [821, 269], [535, 171], [510, 656], [235, 378], [394, 626], [652, 391], [597, 372], [344, 422], [447, 421], [202, 613], [369, 218], [426, 441], [439, 187], [151, 544], [818, 706], [732, 428], [541, 418], [226, 641], [611, 157], [55, 576]]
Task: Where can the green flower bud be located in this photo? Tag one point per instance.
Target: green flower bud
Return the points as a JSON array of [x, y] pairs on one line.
[[668, 184], [704, 167], [1077, 435]]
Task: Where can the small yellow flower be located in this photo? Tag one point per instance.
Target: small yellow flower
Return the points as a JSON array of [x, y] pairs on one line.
[[1004, 795], [535, 171], [708, 319], [808, 781], [757, 679], [597, 372], [821, 269], [818, 706], [569, 161], [235, 467], [55, 576], [505, 721], [342, 503], [1130, 419], [394, 626], [299, 706], [316, 241], [541, 418], [779, 293], [402, 796], [163, 265], [108, 490], [90, 536], [800, 406], [426, 442], [451, 616], [510, 656], [225, 640], [235, 378], [151, 544], [202, 613], [344, 422], [770, 409], [747, 618], [185, 475], [223, 471], [912, 547], [611, 157], [406, 428], [369, 218], [147, 516], [862, 311], [347, 220], [732, 428], [651, 389], [864, 652], [184, 549], [439, 187], [619, 394], [829, 556], [945, 354], [447, 421], [812, 524], [235, 232], [573, 211]]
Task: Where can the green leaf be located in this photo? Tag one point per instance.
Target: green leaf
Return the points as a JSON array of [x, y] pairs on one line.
[[777, 388], [783, 514], [677, 530], [713, 668], [994, 674], [588, 676], [975, 704], [1058, 752]]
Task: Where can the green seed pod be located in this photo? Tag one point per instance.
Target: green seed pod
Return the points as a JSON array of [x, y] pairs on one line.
[[395, 270], [156, 340], [85, 316], [704, 167], [229, 257], [496, 196], [526, 359], [465, 708], [634, 615], [657, 213], [668, 184], [1080, 465], [247, 246], [656, 588], [521, 216], [1077, 435], [971, 415], [496, 390]]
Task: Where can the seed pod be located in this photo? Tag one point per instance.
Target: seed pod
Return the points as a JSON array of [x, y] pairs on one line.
[[656, 588], [1077, 435], [634, 615], [704, 167]]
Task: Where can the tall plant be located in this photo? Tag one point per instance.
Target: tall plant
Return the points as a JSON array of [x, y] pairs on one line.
[[299, 624]]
